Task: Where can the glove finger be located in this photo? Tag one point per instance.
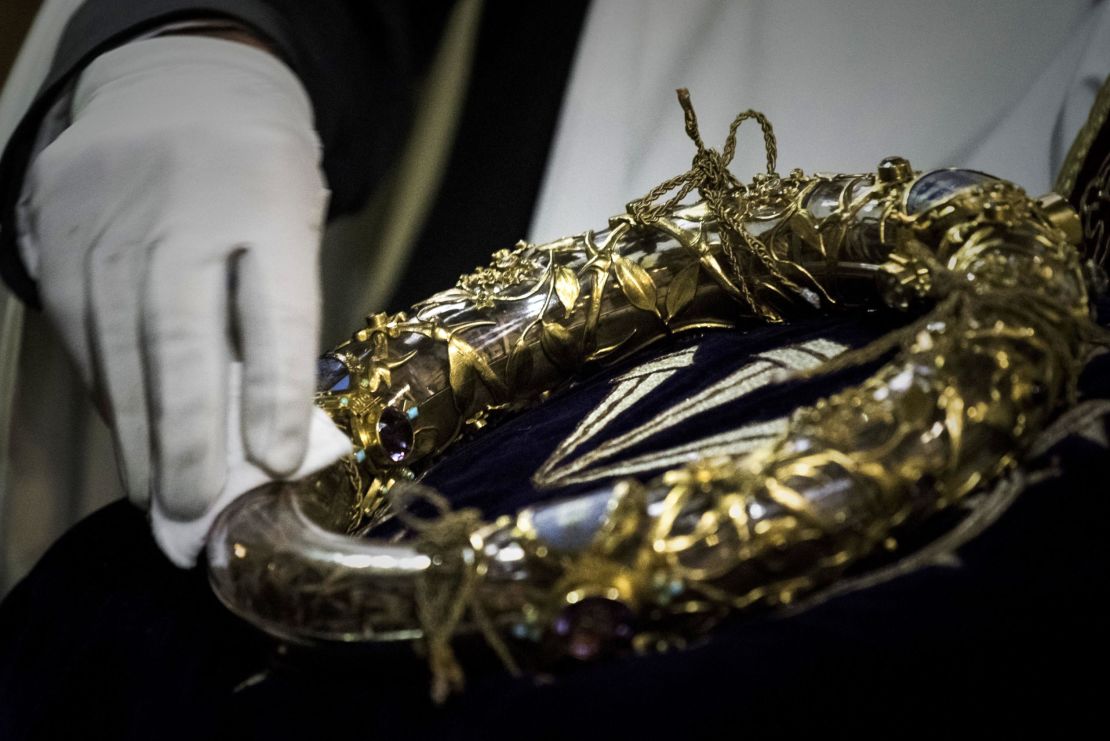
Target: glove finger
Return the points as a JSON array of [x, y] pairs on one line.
[[54, 252], [278, 308], [187, 356], [116, 272], [277, 303]]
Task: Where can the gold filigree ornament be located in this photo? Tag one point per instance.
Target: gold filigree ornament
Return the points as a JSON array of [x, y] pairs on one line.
[[999, 293]]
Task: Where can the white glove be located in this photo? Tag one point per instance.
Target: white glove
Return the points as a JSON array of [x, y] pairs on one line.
[[178, 216], [183, 539]]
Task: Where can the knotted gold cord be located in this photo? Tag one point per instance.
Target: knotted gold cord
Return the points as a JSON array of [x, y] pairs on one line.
[[719, 188], [725, 196], [709, 170], [446, 592]]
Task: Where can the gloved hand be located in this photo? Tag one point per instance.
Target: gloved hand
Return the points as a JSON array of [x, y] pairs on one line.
[[172, 226]]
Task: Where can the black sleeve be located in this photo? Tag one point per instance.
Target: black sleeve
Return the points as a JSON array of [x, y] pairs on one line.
[[359, 61]]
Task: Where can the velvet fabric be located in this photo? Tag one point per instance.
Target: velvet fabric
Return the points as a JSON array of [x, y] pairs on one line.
[[494, 471]]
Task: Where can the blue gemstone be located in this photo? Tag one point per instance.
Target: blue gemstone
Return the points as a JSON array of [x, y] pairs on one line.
[[934, 187], [331, 374], [570, 524]]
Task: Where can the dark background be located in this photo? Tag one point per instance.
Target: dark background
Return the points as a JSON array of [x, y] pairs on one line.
[[14, 22]]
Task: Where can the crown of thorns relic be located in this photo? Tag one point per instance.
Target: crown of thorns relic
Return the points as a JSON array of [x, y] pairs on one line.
[[996, 295]]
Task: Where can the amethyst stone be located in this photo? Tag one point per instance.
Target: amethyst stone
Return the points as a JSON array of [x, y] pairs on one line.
[[395, 434], [593, 626]]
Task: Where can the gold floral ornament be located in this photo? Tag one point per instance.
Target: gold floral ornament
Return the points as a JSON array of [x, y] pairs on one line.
[[999, 332]]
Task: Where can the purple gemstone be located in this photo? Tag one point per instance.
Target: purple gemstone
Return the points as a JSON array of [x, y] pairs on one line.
[[593, 626], [395, 434]]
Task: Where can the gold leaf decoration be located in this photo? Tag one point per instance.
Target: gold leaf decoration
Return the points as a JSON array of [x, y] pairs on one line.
[[560, 345], [567, 288], [713, 267], [834, 233], [682, 289], [518, 369], [597, 293], [465, 366], [601, 352], [637, 285], [489, 379], [460, 373], [802, 225]]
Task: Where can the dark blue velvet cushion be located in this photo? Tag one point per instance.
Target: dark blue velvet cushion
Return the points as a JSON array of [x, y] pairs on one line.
[[670, 402]]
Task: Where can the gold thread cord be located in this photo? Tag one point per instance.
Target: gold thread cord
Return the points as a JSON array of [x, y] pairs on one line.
[[447, 591], [725, 196]]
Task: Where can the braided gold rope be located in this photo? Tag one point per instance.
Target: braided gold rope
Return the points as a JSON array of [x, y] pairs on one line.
[[709, 174], [446, 592]]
